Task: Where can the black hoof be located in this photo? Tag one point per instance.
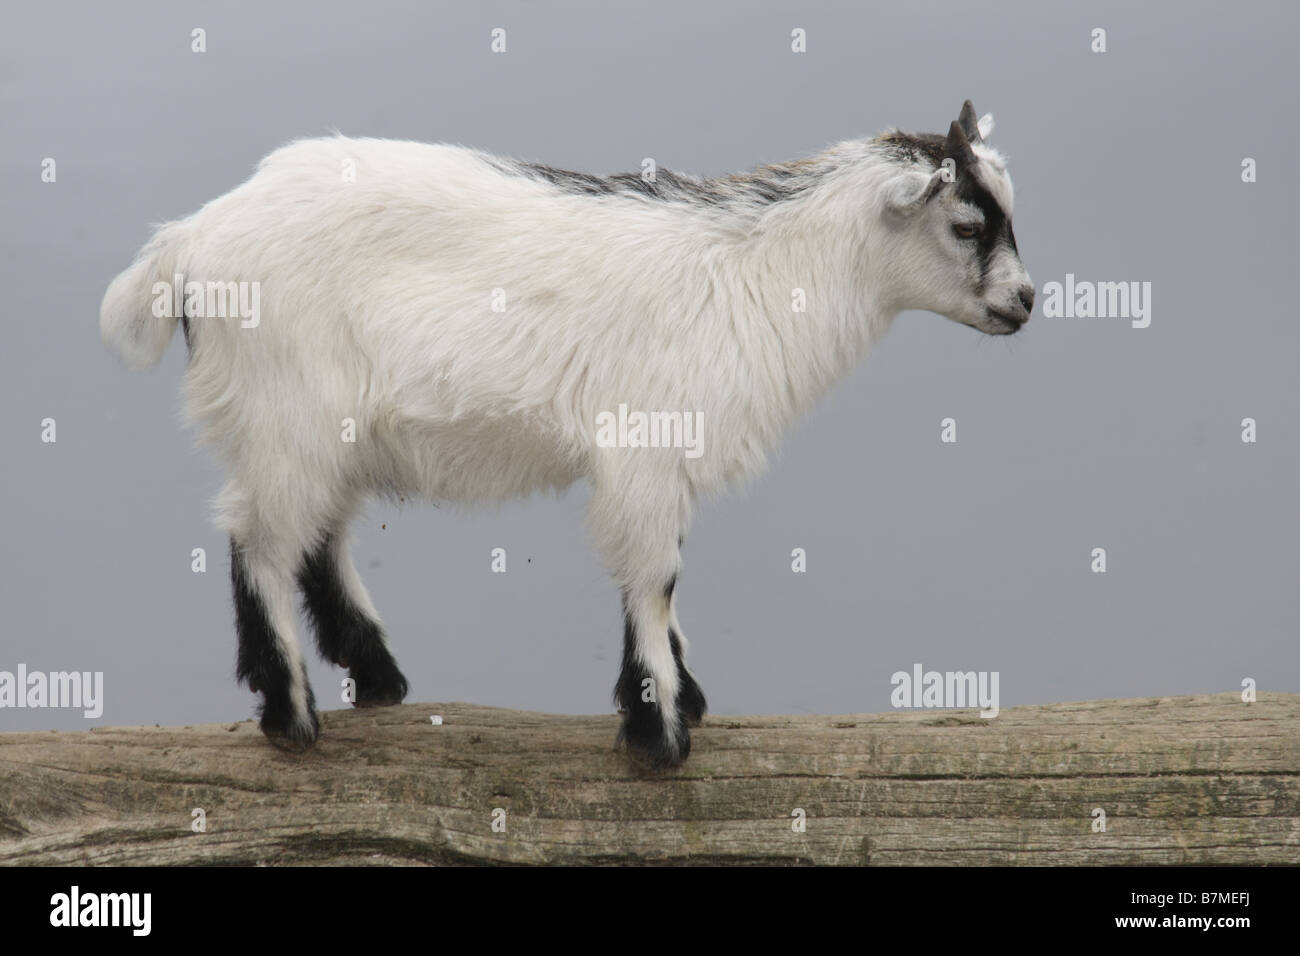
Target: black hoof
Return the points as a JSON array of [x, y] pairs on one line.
[[288, 731], [691, 702], [690, 699], [650, 744], [379, 685], [291, 744]]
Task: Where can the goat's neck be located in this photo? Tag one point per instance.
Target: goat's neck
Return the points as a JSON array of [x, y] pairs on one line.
[[830, 243]]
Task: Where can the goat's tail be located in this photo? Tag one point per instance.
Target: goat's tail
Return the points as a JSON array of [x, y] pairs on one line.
[[137, 318]]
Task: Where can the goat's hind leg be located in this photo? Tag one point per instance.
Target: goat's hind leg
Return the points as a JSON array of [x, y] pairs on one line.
[[269, 658], [348, 631]]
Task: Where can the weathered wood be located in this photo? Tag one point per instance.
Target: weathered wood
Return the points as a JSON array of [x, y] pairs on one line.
[[1184, 780]]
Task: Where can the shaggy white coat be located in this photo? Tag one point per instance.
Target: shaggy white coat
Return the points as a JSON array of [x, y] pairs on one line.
[[376, 300]]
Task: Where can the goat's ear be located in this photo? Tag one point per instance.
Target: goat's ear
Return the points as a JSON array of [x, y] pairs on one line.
[[909, 192], [969, 125], [957, 147], [932, 187]]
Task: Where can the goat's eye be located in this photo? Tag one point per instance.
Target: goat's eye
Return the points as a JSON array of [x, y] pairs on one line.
[[967, 230]]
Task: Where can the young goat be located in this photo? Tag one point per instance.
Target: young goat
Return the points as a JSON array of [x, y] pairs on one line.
[[444, 323]]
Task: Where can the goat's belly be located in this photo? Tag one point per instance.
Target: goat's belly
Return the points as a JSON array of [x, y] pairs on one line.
[[480, 462]]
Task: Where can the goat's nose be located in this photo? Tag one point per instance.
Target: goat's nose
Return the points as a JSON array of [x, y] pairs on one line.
[[1027, 298]]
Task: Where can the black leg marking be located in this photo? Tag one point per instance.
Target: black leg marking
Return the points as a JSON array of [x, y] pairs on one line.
[[345, 635], [650, 741], [690, 697], [262, 666]]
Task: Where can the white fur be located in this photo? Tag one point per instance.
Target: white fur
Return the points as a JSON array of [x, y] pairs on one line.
[[376, 306]]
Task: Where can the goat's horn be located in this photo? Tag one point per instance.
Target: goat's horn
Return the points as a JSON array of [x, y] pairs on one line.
[[957, 146], [969, 124]]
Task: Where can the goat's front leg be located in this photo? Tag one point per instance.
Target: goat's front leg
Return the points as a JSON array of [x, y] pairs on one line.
[[649, 685], [637, 531], [690, 696]]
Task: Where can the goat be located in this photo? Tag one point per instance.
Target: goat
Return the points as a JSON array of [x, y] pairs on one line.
[[473, 323]]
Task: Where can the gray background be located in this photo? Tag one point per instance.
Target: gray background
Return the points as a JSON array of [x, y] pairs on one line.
[[1076, 434]]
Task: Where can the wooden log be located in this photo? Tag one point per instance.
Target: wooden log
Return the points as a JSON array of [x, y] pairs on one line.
[[1181, 780]]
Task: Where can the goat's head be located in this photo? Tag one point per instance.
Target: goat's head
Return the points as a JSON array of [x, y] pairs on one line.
[[950, 215]]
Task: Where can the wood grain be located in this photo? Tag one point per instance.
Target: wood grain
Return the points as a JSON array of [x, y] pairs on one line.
[[1182, 780]]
